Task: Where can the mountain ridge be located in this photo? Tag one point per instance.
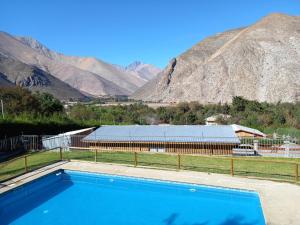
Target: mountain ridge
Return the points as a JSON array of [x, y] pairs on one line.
[[259, 62], [16, 73], [89, 75], [90, 64], [13, 48], [134, 67]]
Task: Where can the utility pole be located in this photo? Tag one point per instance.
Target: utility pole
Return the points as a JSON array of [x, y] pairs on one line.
[[2, 109]]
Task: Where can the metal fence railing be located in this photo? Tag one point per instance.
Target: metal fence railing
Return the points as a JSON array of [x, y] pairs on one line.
[[25, 142], [185, 145], [10, 143], [197, 145]]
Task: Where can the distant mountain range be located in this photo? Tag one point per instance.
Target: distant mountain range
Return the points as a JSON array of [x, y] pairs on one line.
[[260, 62], [14, 72], [26, 62], [145, 71]]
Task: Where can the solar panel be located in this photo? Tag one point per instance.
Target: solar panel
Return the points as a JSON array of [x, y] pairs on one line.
[[165, 133]]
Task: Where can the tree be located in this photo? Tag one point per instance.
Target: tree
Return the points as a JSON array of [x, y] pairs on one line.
[[254, 106], [48, 104], [18, 100], [191, 118], [195, 106], [82, 112], [183, 107], [239, 104]]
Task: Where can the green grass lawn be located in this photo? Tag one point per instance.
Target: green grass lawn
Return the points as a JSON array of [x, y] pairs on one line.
[[246, 166], [16, 167], [243, 166]]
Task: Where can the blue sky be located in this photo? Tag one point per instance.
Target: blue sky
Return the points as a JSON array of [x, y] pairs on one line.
[[121, 31]]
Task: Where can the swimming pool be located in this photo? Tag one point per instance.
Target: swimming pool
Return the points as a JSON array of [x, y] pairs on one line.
[[72, 198]]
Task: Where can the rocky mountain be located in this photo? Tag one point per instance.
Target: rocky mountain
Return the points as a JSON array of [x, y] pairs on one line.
[[127, 81], [14, 72], [90, 76], [4, 82], [85, 81], [260, 62], [143, 70]]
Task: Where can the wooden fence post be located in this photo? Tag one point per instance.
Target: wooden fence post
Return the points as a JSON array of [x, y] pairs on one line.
[[25, 164], [179, 162], [231, 167], [96, 155], [60, 153], [135, 159], [296, 172]]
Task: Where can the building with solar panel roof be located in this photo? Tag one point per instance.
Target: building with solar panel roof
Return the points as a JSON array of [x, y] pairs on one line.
[[185, 139]]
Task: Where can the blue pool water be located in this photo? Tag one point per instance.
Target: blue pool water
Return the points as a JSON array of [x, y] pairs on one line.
[[79, 198]]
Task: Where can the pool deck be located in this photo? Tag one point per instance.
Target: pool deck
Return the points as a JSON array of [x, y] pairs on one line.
[[280, 201]]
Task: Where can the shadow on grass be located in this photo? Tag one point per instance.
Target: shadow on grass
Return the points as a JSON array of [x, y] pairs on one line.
[[122, 161], [158, 164], [207, 169], [239, 172], [264, 175]]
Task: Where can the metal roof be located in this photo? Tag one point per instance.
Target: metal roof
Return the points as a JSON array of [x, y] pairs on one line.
[[165, 133], [247, 129], [69, 133]]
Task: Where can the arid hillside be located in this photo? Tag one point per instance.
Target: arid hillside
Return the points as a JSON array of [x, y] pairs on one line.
[[260, 62]]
